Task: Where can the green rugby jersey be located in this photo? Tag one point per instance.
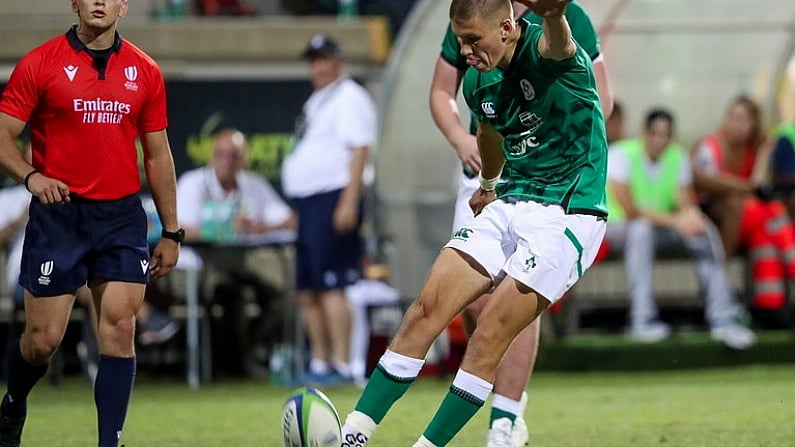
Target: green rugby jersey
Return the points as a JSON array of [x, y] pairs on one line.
[[553, 129], [581, 29]]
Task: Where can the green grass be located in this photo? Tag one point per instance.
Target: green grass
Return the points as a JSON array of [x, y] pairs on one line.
[[748, 406]]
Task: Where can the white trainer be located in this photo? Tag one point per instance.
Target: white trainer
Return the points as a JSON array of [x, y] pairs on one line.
[[734, 336], [500, 433], [519, 435], [651, 332]]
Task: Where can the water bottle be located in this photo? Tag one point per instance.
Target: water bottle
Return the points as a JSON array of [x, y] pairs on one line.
[[209, 225], [347, 9], [276, 366]]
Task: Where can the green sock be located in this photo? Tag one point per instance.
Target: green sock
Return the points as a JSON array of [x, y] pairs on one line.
[[496, 413], [381, 392], [457, 408]]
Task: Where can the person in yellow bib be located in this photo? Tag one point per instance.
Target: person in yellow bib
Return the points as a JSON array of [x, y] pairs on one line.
[[651, 206]]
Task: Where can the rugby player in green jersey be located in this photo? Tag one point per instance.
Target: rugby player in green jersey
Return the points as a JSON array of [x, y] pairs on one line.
[[533, 91], [510, 400]]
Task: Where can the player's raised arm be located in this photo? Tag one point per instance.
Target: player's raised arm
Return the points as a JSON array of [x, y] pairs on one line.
[[556, 43]]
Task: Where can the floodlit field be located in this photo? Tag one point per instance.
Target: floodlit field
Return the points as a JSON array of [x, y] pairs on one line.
[[751, 406]]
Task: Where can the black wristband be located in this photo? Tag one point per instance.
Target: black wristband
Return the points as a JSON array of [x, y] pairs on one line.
[[27, 179]]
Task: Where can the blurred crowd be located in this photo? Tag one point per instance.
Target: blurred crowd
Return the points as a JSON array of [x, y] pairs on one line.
[[732, 190]]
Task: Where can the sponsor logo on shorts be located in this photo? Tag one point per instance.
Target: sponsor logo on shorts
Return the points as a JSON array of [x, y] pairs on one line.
[[46, 270], [144, 265], [463, 234]]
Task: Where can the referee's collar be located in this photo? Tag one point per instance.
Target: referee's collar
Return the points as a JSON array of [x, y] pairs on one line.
[[78, 45]]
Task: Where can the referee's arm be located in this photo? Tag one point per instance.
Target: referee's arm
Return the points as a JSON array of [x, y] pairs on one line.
[[159, 166]]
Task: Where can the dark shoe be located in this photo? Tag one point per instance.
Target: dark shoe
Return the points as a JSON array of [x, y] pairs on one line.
[[158, 328], [11, 431]]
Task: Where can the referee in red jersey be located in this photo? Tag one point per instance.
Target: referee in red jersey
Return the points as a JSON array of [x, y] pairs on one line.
[[87, 95]]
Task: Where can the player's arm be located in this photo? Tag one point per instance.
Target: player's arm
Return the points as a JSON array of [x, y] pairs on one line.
[[444, 88], [490, 147], [603, 86], [556, 43], [160, 174]]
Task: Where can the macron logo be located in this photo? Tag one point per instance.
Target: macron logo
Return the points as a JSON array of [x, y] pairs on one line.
[[144, 265], [70, 71]]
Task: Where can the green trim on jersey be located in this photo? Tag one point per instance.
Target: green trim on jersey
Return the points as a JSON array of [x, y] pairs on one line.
[[656, 195], [553, 129]]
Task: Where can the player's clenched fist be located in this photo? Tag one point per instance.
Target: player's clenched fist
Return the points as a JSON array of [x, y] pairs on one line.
[[546, 8]]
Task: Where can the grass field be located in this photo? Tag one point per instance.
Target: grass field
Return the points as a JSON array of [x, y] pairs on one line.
[[752, 406]]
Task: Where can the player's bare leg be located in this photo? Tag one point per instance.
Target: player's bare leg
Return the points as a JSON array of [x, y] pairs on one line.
[[454, 281], [513, 373], [511, 309]]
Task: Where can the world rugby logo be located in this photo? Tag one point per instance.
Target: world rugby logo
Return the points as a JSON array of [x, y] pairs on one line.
[[131, 73], [46, 268]]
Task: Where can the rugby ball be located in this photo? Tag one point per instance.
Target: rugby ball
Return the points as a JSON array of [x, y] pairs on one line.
[[309, 419]]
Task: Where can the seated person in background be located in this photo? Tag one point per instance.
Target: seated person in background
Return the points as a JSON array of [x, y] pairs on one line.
[[783, 165], [651, 205], [225, 204], [729, 170], [222, 202]]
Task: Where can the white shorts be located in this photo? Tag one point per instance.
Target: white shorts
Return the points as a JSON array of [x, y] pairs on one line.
[[538, 245], [463, 213]]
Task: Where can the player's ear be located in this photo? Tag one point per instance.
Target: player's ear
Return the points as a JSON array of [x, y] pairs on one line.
[[75, 9], [123, 10], [506, 28]]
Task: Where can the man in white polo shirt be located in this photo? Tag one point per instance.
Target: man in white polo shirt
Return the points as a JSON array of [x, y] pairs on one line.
[[324, 176], [224, 204]]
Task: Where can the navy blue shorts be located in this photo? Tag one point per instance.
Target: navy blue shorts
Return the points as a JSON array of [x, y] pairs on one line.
[[325, 259], [70, 243]]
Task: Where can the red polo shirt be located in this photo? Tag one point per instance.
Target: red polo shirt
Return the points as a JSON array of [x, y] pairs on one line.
[[84, 117]]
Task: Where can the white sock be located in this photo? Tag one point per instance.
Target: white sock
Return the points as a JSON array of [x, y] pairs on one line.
[[358, 429], [472, 384], [506, 404], [400, 365]]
